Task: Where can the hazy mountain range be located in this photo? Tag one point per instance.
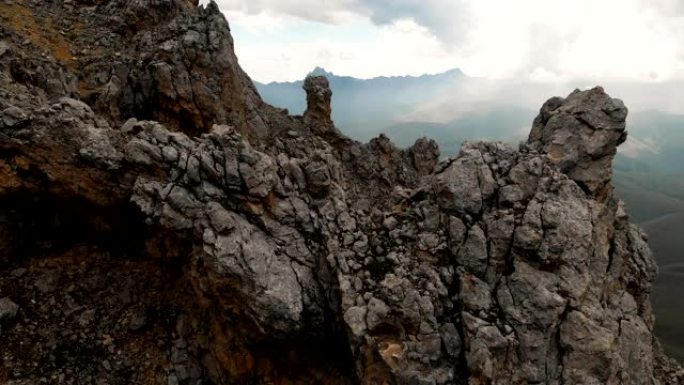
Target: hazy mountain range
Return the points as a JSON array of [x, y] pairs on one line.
[[451, 107]]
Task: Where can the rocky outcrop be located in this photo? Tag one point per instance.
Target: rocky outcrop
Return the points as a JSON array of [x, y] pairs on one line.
[[176, 230], [163, 60], [580, 134], [318, 112]]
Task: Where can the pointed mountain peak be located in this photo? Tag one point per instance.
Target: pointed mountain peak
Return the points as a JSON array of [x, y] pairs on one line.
[[319, 71]]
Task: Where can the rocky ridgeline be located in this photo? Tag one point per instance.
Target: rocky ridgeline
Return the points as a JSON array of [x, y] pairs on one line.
[[160, 224]]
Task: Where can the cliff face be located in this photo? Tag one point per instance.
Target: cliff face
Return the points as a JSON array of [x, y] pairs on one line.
[[162, 225]]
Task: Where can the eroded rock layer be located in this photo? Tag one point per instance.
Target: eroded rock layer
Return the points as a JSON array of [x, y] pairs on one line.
[[160, 224]]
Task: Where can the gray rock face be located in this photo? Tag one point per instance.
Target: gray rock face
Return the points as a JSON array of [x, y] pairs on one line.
[[581, 134], [266, 236], [530, 270], [13, 116], [425, 155], [167, 61]]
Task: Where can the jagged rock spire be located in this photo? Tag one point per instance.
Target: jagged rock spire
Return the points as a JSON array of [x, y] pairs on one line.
[[581, 134], [318, 114]]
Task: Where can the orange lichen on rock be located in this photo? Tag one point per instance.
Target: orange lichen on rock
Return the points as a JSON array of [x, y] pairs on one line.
[[8, 178], [40, 32]]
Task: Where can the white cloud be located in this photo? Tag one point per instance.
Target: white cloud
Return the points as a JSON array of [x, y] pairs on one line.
[[539, 40], [446, 19], [668, 8], [365, 51], [573, 40], [327, 11]]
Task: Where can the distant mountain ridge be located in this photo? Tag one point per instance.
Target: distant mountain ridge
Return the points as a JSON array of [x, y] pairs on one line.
[[320, 71], [364, 108], [382, 96]]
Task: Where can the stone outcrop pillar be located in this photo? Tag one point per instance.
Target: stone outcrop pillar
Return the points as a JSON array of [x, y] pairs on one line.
[[581, 134], [318, 114]]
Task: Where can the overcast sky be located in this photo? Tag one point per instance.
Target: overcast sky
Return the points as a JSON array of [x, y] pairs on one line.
[[539, 40]]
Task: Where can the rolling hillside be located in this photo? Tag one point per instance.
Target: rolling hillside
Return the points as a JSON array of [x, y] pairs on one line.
[[650, 196]]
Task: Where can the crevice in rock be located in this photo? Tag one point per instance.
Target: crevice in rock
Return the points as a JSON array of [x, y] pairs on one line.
[[611, 253]]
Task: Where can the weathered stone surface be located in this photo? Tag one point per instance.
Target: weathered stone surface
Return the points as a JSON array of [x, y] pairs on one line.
[[318, 114], [13, 116], [8, 309], [581, 134], [160, 224], [425, 153]]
